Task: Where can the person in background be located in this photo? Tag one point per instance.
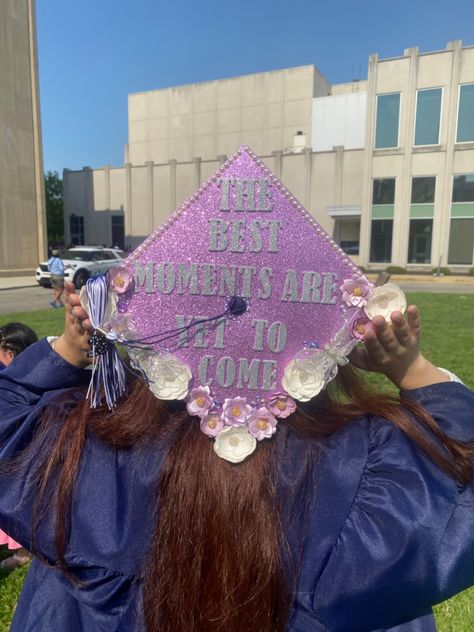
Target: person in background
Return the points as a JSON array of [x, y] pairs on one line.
[[14, 338], [57, 268]]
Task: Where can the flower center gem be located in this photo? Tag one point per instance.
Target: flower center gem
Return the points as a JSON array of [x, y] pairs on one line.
[[200, 401], [281, 405], [360, 329], [383, 303], [212, 423], [119, 281], [357, 291], [262, 424], [234, 441], [236, 411]]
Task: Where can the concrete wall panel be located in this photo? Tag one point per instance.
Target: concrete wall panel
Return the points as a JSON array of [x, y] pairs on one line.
[[204, 123], [434, 70], [228, 94], [463, 161], [466, 74], [205, 145], [204, 96], [22, 208], [162, 201]]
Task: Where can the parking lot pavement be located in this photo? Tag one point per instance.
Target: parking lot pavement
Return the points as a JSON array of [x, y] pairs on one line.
[[25, 299]]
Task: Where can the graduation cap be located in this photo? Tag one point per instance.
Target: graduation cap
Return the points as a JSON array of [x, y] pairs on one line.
[[241, 304]]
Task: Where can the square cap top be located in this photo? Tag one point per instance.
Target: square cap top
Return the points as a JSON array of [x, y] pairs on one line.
[[242, 291]]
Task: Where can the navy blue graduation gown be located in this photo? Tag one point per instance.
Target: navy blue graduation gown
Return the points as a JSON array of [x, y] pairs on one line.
[[388, 534]]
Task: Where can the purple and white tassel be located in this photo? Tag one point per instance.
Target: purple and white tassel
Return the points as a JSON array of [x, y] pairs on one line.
[[107, 366]]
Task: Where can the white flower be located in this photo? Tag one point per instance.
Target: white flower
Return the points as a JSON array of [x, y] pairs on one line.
[[304, 379], [168, 377], [234, 444], [110, 310], [139, 358], [384, 300]]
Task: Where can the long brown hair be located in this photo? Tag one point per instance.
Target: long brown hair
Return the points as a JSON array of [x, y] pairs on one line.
[[219, 559]]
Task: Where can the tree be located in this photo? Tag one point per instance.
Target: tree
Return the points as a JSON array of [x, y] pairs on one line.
[[53, 189]]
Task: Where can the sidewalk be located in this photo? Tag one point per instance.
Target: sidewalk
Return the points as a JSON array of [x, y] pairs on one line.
[[14, 283], [426, 278]]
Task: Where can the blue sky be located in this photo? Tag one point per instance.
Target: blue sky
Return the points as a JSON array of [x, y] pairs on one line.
[[93, 53]]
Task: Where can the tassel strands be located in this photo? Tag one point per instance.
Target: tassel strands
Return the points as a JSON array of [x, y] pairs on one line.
[[107, 366]]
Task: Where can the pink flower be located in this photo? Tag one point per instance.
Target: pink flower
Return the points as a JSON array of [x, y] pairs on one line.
[[200, 401], [261, 424], [360, 327], [120, 280], [282, 405], [235, 411], [356, 291], [212, 424]]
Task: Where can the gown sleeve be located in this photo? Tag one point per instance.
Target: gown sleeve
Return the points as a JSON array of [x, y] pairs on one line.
[[408, 540], [32, 381]]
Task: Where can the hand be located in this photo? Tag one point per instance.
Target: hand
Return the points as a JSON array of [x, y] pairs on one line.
[[73, 344], [394, 350]]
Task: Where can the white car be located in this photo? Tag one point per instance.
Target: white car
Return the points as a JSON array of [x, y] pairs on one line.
[[83, 262]]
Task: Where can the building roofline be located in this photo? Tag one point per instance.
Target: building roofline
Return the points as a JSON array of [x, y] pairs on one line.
[[424, 54], [249, 74]]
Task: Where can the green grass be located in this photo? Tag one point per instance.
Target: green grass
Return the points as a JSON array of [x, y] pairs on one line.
[[447, 341], [46, 322], [10, 586]]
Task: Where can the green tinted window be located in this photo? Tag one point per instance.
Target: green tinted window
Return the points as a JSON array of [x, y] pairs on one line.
[[388, 111], [461, 241], [381, 240], [383, 191], [419, 242], [428, 111], [463, 188], [465, 131], [423, 190]]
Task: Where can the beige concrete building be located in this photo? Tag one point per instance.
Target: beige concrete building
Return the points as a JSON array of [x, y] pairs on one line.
[[210, 119], [386, 164], [22, 208]]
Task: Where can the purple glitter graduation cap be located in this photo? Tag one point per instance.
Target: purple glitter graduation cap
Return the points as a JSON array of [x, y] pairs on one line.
[[240, 304]]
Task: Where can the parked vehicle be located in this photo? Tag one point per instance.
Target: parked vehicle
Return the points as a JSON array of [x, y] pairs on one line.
[[83, 261]]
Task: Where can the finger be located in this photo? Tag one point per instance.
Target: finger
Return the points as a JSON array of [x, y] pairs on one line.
[[401, 329], [74, 299], [414, 321], [79, 312], [385, 335], [375, 350], [81, 317]]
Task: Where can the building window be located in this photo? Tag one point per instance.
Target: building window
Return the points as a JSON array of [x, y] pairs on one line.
[[423, 190], [76, 229], [118, 231], [346, 234], [383, 191], [461, 241], [428, 112], [388, 114], [465, 130], [461, 233], [463, 188], [381, 241], [419, 242]]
